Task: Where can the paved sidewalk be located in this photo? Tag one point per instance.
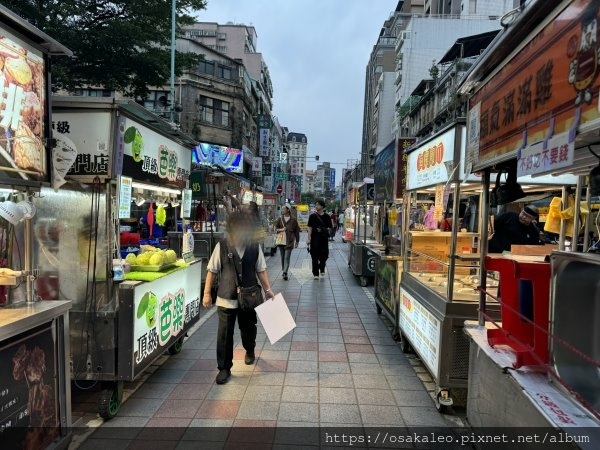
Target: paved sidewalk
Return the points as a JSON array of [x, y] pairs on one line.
[[340, 367]]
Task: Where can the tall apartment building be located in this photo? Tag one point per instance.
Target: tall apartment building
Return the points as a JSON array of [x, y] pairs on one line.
[[297, 147], [324, 180]]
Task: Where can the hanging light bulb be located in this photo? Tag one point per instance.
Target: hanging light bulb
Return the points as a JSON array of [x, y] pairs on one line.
[[139, 200]]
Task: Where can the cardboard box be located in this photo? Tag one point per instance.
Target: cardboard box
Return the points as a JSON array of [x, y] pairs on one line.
[[534, 250]]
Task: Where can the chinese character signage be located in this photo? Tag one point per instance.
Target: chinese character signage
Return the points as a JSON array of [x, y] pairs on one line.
[[22, 110], [554, 78], [211, 155], [163, 311], [401, 162], [29, 413], [384, 173], [90, 133], [124, 197], [425, 166], [546, 156], [151, 157], [264, 142], [257, 165], [264, 121], [295, 168], [331, 179]]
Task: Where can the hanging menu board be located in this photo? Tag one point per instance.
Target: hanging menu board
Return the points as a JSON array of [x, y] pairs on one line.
[[22, 110]]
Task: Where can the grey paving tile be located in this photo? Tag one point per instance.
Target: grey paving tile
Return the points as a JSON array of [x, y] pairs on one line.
[[412, 398], [365, 369], [300, 394], [280, 345], [408, 383], [331, 338], [381, 397], [226, 392], [301, 379], [332, 347], [334, 367], [299, 412], [392, 358], [258, 410], [267, 379], [103, 444], [142, 407], [381, 414], [167, 376], [274, 354], [303, 355], [303, 366], [422, 416], [154, 390], [329, 332], [336, 380], [263, 393], [337, 395], [330, 413], [370, 381], [387, 349], [304, 338], [369, 358], [211, 423], [179, 364]]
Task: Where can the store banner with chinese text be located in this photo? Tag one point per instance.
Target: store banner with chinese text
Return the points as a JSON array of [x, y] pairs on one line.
[[426, 165], [90, 133], [384, 173], [401, 162], [549, 88], [164, 310], [153, 158]]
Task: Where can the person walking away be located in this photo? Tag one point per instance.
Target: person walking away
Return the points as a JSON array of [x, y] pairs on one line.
[[340, 223], [319, 224], [334, 222], [515, 228], [239, 242], [289, 225]]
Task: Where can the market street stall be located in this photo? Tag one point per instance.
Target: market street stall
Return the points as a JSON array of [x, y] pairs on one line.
[[361, 257], [552, 347], [109, 223], [35, 403]]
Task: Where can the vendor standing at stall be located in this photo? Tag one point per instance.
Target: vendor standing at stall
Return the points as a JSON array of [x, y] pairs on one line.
[[512, 228], [240, 239]]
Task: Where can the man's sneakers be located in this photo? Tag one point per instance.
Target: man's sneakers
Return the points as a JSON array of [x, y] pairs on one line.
[[285, 277], [249, 358], [223, 376], [323, 274], [316, 277]]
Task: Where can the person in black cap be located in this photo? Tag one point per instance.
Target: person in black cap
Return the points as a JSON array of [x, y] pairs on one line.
[[515, 228]]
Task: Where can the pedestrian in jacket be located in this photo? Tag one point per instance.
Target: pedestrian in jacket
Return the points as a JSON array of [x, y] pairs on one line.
[[240, 239], [319, 226], [289, 225]]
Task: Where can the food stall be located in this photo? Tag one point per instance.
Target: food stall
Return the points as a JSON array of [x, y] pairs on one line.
[[440, 271], [388, 255], [126, 163], [552, 350], [361, 258], [35, 403]]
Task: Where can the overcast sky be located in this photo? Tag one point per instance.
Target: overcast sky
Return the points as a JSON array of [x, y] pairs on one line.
[[317, 52]]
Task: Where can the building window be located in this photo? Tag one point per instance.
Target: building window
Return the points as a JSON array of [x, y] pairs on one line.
[[224, 72], [214, 111], [93, 92], [206, 67]]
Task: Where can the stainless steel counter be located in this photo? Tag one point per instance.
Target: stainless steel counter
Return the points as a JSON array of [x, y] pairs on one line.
[[15, 319]]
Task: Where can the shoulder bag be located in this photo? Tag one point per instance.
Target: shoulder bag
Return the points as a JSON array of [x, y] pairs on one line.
[[281, 238], [250, 297]]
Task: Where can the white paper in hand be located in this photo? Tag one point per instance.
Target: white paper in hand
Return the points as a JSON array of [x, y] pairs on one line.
[[275, 318]]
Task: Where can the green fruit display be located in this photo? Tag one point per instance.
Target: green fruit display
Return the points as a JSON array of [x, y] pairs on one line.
[[170, 256], [131, 259], [157, 259], [143, 259]]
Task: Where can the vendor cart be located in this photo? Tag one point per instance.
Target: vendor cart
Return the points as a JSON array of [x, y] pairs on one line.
[[361, 257], [120, 323]]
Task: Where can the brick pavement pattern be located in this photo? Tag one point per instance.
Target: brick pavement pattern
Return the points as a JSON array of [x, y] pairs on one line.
[[339, 367]]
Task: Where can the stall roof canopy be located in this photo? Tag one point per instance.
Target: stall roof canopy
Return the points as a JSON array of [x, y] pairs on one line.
[[469, 46], [32, 33], [161, 125]]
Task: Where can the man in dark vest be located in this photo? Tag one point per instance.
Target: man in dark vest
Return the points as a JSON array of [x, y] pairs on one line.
[[240, 239]]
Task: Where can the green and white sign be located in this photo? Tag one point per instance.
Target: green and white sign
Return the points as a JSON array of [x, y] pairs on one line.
[[163, 310]]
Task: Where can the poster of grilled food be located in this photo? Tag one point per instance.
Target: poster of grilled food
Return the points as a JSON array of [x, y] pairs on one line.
[[22, 104]]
